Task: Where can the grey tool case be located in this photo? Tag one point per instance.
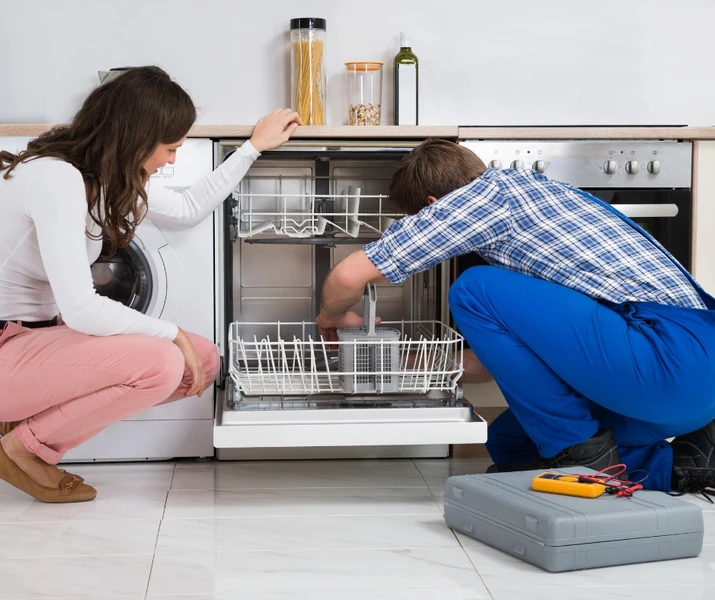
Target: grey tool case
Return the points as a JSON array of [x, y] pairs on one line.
[[567, 533]]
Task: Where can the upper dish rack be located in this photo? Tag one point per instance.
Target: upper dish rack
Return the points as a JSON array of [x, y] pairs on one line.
[[295, 210]]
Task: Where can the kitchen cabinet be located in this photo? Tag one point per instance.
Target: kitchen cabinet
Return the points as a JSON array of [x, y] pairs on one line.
[[704, 218]]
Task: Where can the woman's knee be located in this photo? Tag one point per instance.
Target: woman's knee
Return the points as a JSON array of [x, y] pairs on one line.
[[159, 363]]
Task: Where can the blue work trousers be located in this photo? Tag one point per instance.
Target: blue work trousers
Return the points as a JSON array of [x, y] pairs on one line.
[[569, 365]]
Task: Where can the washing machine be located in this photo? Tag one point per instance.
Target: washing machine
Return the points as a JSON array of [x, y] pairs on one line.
[[167, 273]]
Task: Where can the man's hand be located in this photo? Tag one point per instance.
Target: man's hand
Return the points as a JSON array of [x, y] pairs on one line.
[[343, 287], [327, 326]]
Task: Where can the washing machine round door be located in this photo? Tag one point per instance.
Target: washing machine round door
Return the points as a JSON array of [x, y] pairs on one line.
[[138, 275], [125, 277]]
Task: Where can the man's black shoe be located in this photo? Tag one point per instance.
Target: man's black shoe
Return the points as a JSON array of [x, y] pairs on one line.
[[596, 453], [694, 461]]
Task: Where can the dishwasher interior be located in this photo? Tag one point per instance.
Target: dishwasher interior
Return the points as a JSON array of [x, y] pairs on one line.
[[297, 212]]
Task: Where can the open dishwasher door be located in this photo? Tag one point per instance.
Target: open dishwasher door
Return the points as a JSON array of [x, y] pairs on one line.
[[300, 210], [289, 388], [338, 422]]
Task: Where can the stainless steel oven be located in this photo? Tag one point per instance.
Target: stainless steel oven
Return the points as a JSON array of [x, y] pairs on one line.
[[648, 181]]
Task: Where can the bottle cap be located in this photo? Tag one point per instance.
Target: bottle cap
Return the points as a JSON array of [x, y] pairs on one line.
[[307, 23], [405, 41]]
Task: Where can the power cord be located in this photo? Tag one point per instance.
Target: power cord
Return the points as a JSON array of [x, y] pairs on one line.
[[614, 484]]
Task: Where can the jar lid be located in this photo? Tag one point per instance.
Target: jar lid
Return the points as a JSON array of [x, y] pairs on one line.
[[364, 65], [307, 23]]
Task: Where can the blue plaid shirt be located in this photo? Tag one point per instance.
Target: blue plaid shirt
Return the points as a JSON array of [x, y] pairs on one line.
[[521, 220]]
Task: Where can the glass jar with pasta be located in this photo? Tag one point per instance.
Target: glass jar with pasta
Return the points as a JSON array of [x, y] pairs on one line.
[[307, 40]]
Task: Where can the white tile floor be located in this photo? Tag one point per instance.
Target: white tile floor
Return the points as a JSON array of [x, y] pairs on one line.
[[308, 530]]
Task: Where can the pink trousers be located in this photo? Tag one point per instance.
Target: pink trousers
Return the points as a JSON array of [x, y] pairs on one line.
[[65, 386]]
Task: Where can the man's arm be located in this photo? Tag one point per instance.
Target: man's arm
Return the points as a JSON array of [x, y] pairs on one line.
[[343, 287], [469, 219], [463, 221]]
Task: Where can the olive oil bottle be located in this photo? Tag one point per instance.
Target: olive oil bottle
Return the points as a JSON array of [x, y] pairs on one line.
[[406, 84]]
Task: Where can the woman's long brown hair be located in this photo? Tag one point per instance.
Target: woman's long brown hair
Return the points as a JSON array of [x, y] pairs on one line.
[[111, 137]]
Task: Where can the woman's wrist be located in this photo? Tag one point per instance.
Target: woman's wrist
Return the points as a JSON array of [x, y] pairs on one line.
[[180, 335], [256, 145]]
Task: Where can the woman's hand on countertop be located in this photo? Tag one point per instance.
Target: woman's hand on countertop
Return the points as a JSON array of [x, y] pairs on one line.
[[274, 129]]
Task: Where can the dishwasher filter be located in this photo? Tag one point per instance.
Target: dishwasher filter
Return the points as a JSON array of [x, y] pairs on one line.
[[567, 533]]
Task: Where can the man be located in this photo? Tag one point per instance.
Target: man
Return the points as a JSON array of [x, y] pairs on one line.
[[602, 344]]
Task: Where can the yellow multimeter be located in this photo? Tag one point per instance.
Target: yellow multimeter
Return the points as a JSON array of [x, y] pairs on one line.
[[569, 485]]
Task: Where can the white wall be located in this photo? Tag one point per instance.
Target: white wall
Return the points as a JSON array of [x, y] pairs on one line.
[[482, 62]]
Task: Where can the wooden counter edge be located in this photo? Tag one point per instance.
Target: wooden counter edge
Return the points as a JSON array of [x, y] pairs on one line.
[[422, 132]]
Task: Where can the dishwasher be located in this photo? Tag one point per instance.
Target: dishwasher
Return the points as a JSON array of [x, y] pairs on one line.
[[283, 392]]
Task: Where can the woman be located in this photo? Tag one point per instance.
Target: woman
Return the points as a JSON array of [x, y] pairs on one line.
[[74, 186]]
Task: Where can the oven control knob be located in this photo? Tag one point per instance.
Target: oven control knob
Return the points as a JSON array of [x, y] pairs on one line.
[[495, 164], [632, 167], [610, 167], [539, 166], [654, 167], [517, 164]]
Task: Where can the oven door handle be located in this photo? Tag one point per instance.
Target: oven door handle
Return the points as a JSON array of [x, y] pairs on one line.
[[641, 211]]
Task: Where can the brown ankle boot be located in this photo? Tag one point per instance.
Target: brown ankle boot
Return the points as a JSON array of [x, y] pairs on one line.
[[70, 489]]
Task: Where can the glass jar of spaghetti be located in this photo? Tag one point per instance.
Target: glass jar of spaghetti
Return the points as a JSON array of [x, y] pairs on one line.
[[307, 40]]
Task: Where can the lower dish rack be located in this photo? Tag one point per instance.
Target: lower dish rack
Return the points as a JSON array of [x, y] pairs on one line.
[[291, 359]]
